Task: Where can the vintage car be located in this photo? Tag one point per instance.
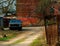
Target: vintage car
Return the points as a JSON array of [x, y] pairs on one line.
[[15, 24]]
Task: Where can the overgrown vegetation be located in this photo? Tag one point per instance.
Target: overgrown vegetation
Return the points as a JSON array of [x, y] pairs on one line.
[[40, 41], [9, 35]]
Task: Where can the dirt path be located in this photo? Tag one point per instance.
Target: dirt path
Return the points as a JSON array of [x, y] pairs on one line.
[[29, 40], [30, 34], [17, 38]]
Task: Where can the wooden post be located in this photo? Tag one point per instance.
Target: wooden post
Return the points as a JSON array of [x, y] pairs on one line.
[[51, 31]]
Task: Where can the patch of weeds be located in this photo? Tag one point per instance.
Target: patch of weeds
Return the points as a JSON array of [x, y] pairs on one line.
[[7, 37], [4, 39], [9, 34], [40, 41]]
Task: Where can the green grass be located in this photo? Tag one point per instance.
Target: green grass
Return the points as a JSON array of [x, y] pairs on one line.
[[6, 38], [10, 35], [40, 41]]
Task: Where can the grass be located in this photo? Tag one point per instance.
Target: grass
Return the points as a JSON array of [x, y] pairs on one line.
[[40, 41], [10, 35], [7, 38], [4, 39]]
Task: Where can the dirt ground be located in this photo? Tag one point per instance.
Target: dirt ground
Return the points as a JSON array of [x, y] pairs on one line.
[[30, 33]]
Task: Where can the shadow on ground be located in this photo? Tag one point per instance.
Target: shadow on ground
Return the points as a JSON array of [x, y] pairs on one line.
[[26, 29]]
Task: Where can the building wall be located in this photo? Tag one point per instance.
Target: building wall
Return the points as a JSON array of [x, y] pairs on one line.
[[27, 9]]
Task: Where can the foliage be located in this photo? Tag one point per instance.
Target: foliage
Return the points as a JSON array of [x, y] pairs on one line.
[[4, 39], [42, 5]]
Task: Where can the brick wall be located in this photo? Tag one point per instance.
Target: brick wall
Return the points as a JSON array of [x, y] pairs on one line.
[[26, 8]]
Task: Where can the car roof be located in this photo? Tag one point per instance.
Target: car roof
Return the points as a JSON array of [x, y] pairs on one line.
[[14, 21]]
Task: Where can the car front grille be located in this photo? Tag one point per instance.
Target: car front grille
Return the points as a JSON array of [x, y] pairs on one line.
[[14, 25]]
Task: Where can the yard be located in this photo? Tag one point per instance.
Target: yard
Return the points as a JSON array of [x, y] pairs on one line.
[[24, 37], [7, 35]]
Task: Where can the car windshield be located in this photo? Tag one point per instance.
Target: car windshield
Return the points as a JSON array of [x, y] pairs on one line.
[[15, 21]]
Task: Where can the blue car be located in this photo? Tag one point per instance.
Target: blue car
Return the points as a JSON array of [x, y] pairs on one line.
[[15, 24]]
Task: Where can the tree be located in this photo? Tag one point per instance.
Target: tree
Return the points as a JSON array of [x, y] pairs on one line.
[[6, 6], [42, 5], [40, 9]]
